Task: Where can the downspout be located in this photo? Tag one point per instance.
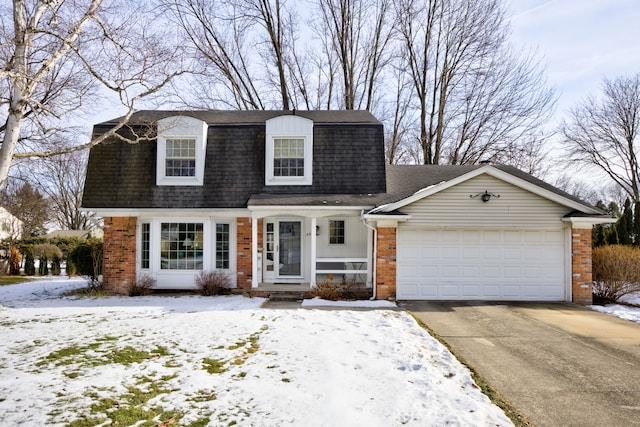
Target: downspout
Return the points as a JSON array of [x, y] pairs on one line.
[[375, 255]]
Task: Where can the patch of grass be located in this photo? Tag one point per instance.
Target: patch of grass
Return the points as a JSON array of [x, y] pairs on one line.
[[67, 355], [204, 396], [127, 355], [214, 366], [103, 353], [131, 408], [13, 280], [517, 417], [202, 422]]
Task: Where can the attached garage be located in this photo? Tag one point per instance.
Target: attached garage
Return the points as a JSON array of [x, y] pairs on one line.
[[482, 264], [488, 233]]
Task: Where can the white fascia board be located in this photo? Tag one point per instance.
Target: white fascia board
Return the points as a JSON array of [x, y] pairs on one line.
[[496, 173], [378, 217], [172, 213], [305, 211], [588, 222]]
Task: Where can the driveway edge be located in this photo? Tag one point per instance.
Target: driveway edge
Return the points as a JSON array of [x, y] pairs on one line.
[[517, 417]]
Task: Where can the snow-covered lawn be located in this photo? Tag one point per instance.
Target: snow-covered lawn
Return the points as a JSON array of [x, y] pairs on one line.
[[623, 311], [199, 361]]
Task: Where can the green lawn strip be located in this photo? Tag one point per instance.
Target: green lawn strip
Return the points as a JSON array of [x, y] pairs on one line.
[[517, 417], [132, 407], [13, 280], [101, 352]]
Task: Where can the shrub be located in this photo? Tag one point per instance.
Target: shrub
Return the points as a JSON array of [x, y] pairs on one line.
[[87, 259], [48, 249], [328, 290], [616, 272], [142, 286], [55, 265], [14, 261], [43, 268], [216, 282], [29, 262]]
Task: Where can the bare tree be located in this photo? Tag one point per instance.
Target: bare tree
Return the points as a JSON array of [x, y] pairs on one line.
[[476, 98], [602, 133], [29, 205], [62, 179], [57, 56], [359, 32], [238, 44]]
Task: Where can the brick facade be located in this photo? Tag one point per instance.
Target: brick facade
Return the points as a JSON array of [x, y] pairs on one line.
[[581, 279], [386, 263], [119, 254], [244, 255]]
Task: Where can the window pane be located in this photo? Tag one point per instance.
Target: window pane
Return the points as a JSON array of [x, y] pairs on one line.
[[336, 232], [288, 157], [181, 246], [146, 241], [180, 157], [222, 245]]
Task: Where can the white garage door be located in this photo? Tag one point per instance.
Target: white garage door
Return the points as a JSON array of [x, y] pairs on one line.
[[510, 265]]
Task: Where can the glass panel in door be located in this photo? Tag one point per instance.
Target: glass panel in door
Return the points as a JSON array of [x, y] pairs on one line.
[[289, 258]]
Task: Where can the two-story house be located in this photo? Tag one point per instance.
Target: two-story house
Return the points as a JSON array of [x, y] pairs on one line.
[[295, 197]]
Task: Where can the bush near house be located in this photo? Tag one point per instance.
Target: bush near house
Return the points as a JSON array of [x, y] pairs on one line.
[[215, 282], [142, 286], [616, 272]]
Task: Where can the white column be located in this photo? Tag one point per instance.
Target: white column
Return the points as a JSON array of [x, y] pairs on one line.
[[314, 223], [255, 267]]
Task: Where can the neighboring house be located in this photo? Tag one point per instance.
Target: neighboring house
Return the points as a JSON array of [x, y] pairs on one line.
[[10, 226], [295, 198]]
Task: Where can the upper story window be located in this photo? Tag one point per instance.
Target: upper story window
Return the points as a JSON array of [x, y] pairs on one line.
[[181, 151], [289, 151], [180, 157]]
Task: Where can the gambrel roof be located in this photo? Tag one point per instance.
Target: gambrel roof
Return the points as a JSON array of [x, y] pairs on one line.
[[348, 158]]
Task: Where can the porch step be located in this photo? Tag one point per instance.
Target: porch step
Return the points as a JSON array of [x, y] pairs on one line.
[[286, 296]]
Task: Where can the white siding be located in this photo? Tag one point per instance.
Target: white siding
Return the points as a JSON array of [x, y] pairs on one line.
[[515, 207], [355, 245]]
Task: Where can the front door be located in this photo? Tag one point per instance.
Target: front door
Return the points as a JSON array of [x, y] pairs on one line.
[[283, 251]]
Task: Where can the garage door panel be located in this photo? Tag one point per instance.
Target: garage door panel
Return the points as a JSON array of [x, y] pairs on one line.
[[481, 264]]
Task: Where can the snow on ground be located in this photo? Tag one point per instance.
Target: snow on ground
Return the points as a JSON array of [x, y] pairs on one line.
[[623, 311], [223, 360]]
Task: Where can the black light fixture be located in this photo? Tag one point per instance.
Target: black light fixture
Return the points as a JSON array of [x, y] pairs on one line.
[[485, 197]]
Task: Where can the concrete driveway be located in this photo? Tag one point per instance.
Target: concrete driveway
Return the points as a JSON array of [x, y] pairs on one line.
[[559, 364]]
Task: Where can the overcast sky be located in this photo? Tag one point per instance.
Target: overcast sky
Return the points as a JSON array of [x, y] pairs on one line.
[[580, 40]]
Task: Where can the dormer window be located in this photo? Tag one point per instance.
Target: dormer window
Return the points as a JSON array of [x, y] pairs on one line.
[[288, 157], [289, 151], [181, 151], [180, 157]]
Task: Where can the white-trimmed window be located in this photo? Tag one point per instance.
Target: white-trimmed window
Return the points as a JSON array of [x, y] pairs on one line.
[[289, 151], [181, 246], [336, 232], [181, 151]]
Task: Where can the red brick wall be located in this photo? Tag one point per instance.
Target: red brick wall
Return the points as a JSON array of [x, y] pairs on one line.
[[581, 280], [243, 250], [119, 254], [386, 263]]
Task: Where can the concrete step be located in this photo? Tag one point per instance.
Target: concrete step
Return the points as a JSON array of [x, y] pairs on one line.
[[286, 296]]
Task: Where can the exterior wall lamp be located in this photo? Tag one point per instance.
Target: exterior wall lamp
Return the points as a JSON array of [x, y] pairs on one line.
[[485, 197]]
